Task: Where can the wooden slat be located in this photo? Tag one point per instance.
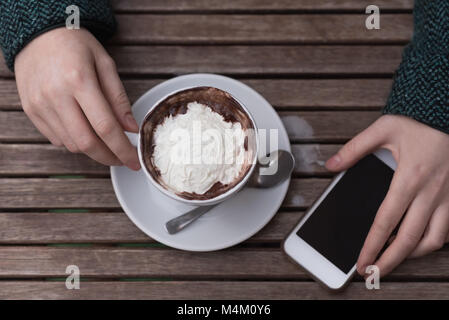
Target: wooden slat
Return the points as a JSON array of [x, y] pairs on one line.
[[255, 5], [260, 29], [45, 159], [54, 193], [28, 262], [98, 193], [32, 228], [321, 93], [241, 263], [323, 126], [282, 94], [8, 93], [303, 192], [219, 290], [254, 60], [310, 158], [73, 227], [326, 126], [37, 228], [46, 227], [15, 126], [36, 159], [258, 60]]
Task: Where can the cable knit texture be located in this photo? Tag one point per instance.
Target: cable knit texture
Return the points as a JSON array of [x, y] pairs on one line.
[[22, 20], [421, 86]]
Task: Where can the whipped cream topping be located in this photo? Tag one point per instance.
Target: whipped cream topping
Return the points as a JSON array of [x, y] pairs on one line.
[[195, 150]]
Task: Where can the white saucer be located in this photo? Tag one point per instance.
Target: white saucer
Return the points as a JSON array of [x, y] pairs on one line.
[[229, 223]]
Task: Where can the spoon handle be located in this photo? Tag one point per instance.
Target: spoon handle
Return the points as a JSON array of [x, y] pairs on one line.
[[177, 224]]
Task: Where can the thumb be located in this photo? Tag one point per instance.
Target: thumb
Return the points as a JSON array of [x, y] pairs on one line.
[[361, 145]]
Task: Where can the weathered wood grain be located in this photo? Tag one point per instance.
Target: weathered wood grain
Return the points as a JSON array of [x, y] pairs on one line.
[[45, 159], [241, 263], [257, 60], [310, 158], [302, 126], [74, 227], [260, 29], [220, 290], [260, 60], [318, 93], [54, 193], [15, 126], [70, 227], [98, 193], [182, 22], [254, 5], [310, 94], [37, 228], [8, 92], [27, 262], [326, 127]]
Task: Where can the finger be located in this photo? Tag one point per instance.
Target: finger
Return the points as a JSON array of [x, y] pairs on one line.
[[364, 143], [410, 232], [55, 124], [115, 92], [82, 134], [396, 202], [436, 234], [98, 112]]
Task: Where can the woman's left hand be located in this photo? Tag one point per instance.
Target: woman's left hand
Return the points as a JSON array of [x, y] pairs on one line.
[[418, 194]]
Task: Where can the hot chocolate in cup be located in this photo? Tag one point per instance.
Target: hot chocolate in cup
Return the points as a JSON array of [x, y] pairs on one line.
[[198, 145]]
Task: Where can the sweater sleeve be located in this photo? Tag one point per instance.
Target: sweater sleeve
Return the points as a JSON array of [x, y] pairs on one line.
[[23, 20], [421, 85]]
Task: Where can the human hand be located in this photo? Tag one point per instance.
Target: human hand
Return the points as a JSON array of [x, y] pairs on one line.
[[419, 190], [70, 90]]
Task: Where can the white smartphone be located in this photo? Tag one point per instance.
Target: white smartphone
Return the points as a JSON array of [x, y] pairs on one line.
[[329, 238]]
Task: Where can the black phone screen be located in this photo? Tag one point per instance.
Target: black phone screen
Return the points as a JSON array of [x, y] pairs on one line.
[[338, 227]]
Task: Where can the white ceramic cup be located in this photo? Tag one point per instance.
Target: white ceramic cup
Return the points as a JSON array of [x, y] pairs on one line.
[[136, 140]]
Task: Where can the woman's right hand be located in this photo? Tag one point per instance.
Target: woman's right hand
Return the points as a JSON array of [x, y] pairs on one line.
[[70, 89]]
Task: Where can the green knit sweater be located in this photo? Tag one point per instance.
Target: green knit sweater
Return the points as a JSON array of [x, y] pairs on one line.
[[22, 20], [421, 85], [420, 89]]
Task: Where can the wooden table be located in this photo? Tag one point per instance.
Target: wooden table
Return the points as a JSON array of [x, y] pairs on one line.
[[313, 60]]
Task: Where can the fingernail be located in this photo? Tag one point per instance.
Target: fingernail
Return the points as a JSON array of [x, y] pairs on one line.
[[361, 270], [133, 165], [131, 122], [334, 161]]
